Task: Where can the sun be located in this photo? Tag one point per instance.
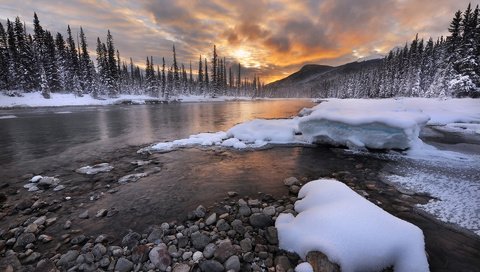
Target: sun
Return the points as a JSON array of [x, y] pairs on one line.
[[241, 54]]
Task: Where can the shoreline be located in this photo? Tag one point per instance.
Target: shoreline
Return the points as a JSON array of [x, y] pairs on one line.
[[51, 206]]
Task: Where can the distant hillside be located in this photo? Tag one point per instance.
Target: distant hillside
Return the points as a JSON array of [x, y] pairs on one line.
[[312, 75]]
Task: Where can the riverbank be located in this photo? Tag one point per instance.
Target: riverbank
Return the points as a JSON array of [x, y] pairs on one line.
[[94, 212], [35, 99]]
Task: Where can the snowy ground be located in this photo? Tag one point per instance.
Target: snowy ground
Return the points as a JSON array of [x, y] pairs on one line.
[[36, 100]]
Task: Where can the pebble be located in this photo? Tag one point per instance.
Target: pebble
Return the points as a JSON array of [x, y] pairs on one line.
[[123, 265], [83, 215], [211, 219]]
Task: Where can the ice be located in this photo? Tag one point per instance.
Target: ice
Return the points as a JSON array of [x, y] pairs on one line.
[[203, 139], [304, 267], [235, 143], [97, 168], [350, 230], [7, 116], [268, 131]]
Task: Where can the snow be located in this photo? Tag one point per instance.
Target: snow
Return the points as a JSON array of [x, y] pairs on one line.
[[35, 99], [7, 116], [202, 139], [97, 168], [304, 267], [350, 230], [261, 131]]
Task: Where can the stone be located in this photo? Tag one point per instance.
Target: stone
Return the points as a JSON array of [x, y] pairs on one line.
[[270, 210], [209, 250], [123, 265], [78, 240], [271, 235], [131, 240], [182, 241], [232, 264], [291, 181], [224, 250], [67, 224], [232, 194], [45, 238], [320, 262], [33, 257], [40, 221], [200, 211], [68, 259], [244, 211], [47, 182], [237, 225], [248, 257], [282, 264], [31, 228], [98, 251], [155, 236], [211, 266], [242, 202], [211, 219], [172, 250], [104, 262], [199, 240], [260, 220], [253, 202], [131, 178], [101, 213], [181, 268], [246, 245], [10, 263], [50, 221], [83, 215], [24, 239], [187, 255], [222, 225], [160, 257], [140, 253], [294, 189], [58, 188], [197, 256], [46, 265]]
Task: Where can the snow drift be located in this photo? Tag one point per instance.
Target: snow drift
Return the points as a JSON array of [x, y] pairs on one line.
[[350, 230]]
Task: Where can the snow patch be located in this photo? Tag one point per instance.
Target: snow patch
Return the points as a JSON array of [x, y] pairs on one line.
[[8, 116], [97, 168], [350, 230], [63, 112]]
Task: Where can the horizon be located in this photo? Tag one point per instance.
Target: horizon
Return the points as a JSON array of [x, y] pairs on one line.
[[270, 46]]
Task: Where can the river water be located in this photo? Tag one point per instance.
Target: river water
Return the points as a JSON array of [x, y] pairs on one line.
[[55, 141]]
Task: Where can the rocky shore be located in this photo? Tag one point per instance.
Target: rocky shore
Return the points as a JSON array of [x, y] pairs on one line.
[[236, 235]]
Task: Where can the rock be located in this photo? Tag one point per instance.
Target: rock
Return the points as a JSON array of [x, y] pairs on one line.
[[58, 188], [131, 178], [123, 265], [101, 213], [24, 239], [232, 194], [271, 235], [320, 262], [68, 259], [40, 221], [232, 263], [36, 179], [11, 241], [10, 263], [199, 240], [197, 256], [182, 241], [260, 220], [45, 238], [244, 211], [248, 257], [200, 211], [131, 240], [46, 265], [211, 219], [246, 245], [31, 228], [224, 250], [156, 236], [104, 262], [32, 258], [211, 266], [282, 264], [67, 224], [141, 163], [50, 221], [270, 210], [47, 182], [294, 189], [209, 250], [181, 268], [242, 202], [222, 225], [253, 202], [83, 215], [291, 181], [140, 253], [97, 168], [164, 226], [78, 240], [173, 251], [98, 251], [159, 257], [187, 255]]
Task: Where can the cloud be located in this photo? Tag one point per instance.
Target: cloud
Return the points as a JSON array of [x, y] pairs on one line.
[[269, 38]]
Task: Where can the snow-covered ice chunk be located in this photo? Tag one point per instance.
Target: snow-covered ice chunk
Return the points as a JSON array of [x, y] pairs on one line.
[[350, 230], [304, 267], [36, 179], [261, 130], [203, 139], [377, 128], [235, 143], [97, 168]]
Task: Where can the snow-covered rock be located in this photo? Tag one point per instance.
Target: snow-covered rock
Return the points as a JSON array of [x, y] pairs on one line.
[[97, 168], [260, 131], [350, 230]]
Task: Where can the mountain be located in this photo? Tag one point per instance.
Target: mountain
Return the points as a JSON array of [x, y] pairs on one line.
[[312, 75]]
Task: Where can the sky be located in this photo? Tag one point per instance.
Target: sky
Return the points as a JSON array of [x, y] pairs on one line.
[[269, 38]]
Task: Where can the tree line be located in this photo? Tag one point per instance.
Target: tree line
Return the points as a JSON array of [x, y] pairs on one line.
[[445, 67], [51, 63]]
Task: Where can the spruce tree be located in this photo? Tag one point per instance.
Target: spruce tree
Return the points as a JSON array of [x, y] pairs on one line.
[[214, 72], [4, 60], [200, 79], [112, 71]]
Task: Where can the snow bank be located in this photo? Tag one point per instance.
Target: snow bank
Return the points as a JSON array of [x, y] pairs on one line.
[[202, 139], [350, 230]]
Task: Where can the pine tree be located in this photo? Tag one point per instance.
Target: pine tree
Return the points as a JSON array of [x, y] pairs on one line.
[[207, 80], [200, 79], [176, 77], [214, 72], [112, 71], [164, 78], [85, 67], [4, 60]]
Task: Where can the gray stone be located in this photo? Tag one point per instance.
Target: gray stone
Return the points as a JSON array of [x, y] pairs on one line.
[[31, 228], [172, 250], [237, 225], [320, 262], [68, 259], [78, 240], [282, 264], [209, 250], [187, 255], [97, 168], [156, 236], [32, 258], [101, 213], [224, 250], [47, 182], [211, 266], [232, 263], [24, 239], [67, 224], [260, 220], [244, 211], [291, 181], [249, 257], [131, 178], [181, 268], [45, 238], [211, 219], [294, 189], [200, 211], [10, 263], [270, 210], [197, 256], [222, 225], [40, 221], [98, 251], [199, 240], [123, 265], [131, 240], [253, 202], [104, 262], [271, 235], [160, 257], [83, 215], [246, 245], [232, 194], [140, 253]]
